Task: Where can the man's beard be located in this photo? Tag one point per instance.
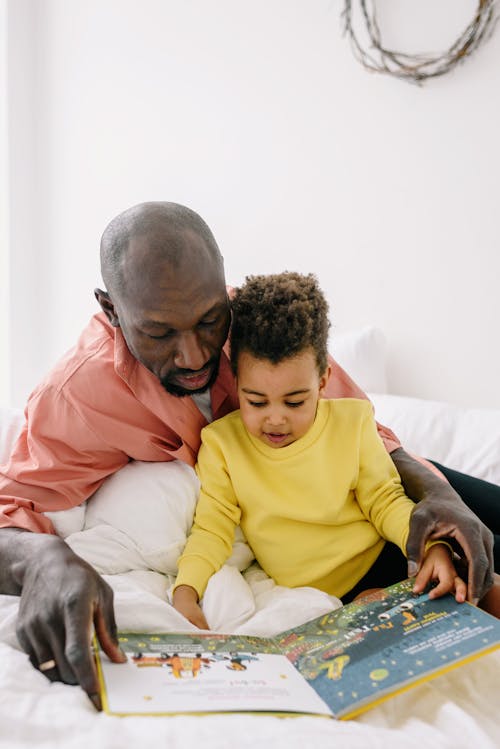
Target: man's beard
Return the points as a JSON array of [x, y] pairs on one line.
[[181, 392]]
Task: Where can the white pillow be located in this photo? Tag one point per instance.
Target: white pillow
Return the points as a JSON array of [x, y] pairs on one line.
[[466, 439], [109, 550], [152, 504], [363, 355], [140, 519]]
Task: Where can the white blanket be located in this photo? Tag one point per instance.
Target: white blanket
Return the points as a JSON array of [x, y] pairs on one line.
[[454, 711], [131, 531]]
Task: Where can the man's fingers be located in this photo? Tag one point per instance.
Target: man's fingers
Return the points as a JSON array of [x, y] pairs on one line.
[[105, 627], [480, 564], [61, 598], [40, 653], [78, 650], [64, 669], [474, 539], [480, 580], [417, 537]]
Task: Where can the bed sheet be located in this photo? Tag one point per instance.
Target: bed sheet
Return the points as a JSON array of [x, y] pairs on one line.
[[458, 709]]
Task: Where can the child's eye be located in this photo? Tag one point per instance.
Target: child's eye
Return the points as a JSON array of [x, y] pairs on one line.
[[294, 404], [257, 404]]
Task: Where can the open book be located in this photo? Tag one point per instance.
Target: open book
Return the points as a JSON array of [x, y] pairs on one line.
[[337, 665]]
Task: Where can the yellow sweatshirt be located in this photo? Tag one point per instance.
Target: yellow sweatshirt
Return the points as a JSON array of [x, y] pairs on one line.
[[315, 512]]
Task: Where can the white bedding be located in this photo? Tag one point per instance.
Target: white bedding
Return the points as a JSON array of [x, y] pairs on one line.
[[135, 549]]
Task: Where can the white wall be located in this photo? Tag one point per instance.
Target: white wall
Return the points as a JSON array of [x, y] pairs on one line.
[[4, 214], [257, 115]]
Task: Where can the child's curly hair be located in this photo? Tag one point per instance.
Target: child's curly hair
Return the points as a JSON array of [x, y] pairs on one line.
[[278, 316]]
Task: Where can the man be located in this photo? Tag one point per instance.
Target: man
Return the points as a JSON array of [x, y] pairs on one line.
[[142, 381]]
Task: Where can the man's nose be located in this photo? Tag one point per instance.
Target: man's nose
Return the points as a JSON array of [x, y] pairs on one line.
[[189, 353]]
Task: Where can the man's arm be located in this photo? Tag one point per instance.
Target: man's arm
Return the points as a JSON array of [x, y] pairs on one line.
[[62, 599], [70, 443], [439, 513]]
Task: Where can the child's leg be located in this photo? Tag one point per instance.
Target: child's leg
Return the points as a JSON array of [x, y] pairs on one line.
[[390, 567], [369, 592], [491, 601]]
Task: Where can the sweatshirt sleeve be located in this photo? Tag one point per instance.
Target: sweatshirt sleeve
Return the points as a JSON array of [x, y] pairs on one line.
[[379, 491], [217, 514]]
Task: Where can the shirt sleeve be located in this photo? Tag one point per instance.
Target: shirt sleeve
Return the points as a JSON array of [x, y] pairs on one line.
[[340, 385], [379, 491], [57, 462], [217, 514]]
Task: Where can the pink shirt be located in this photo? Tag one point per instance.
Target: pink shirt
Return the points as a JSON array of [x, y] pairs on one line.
[[98, 409]]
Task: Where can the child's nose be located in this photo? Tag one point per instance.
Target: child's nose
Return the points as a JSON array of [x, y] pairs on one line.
[[275, 418]]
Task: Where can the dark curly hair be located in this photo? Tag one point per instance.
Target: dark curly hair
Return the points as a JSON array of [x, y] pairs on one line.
[[278, 316]]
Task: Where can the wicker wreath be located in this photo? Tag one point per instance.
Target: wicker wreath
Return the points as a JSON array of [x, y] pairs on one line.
[[415, 67]]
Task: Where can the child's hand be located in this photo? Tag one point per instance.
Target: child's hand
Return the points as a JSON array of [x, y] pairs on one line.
[[185, 600], [437, 565]]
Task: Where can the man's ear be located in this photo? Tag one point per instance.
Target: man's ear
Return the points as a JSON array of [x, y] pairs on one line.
[[323, 380], [107, 307]]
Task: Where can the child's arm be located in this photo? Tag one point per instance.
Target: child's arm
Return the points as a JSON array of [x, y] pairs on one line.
[[438, 565], [185, 600], [211, 538]]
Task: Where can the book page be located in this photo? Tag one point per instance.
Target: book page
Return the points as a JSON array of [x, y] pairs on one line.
[[380, 645], [163, 677]]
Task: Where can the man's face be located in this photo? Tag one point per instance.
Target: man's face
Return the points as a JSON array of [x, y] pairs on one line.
[[175, 320], [278, 402]]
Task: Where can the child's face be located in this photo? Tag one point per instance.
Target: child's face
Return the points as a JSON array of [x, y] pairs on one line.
[[278, 401]]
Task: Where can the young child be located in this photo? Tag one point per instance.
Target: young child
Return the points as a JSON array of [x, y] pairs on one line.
[[308, 479]]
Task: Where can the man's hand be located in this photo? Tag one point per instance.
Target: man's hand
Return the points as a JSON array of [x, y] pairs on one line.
[[440, 513], [61, 598], [440, 516], [438, 566], [185, 600]]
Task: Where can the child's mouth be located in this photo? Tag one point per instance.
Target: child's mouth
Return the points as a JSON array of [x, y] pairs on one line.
[[275, 437]]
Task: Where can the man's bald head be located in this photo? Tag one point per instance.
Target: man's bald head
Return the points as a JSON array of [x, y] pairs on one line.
[[165, 227], [166, 291]]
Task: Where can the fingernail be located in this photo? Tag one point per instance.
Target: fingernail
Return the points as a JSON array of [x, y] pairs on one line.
[[412, 569], [96, 701], [475, 601]]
